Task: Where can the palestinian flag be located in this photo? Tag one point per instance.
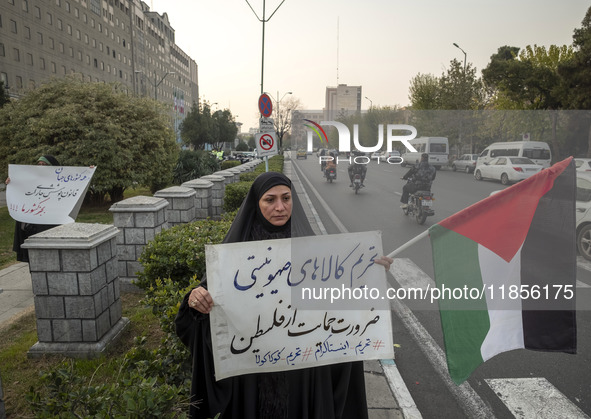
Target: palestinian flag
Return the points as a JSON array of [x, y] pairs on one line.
[[516, 242]]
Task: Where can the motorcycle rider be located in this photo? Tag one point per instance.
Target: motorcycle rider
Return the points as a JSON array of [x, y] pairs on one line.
[[330, 164], [357, 168], [421, 177]]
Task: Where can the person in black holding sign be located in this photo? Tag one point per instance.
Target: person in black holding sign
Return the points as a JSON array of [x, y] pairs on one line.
[[23, 231], [269, 211]]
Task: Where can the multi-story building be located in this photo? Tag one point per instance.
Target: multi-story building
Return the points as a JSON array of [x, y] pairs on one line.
[[342, 101], [120, 41]]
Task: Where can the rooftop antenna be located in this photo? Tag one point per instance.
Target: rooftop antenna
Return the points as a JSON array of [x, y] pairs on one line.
[[338, 50]]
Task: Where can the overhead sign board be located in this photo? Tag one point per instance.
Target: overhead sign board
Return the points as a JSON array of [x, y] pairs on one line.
[[266, 144], [265, 105]]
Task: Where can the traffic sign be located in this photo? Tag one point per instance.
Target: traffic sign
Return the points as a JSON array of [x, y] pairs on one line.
[[265, 105], [266, 143], [266, 125]]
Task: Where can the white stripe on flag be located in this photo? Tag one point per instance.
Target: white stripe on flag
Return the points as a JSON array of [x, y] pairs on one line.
[[506, 326]]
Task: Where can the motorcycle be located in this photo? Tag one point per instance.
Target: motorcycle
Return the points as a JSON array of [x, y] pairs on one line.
[[330, 174], [420, 205], [357, 182]]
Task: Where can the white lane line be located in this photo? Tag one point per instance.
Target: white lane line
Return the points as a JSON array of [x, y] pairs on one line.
[[534, 398], [470, 401]]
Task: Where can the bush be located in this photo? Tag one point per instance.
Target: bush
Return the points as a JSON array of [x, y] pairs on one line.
[[194, 164], [227, 164], [235, 194], [179, 252]]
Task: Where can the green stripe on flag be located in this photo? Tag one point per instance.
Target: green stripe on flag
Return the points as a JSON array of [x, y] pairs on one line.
[[465, 322]]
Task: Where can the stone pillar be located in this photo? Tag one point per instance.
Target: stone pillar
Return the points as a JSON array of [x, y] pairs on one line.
[[236, 172], [203, 199], [228, 176], [182, 204], [138, 219], [217, 194], [76, 287]]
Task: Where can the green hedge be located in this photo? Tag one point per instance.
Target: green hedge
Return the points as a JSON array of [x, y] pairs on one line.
[[235, 194], [227, 164], [179, 252]]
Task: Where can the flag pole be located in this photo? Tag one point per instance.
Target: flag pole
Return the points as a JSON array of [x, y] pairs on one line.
[[409, 243]]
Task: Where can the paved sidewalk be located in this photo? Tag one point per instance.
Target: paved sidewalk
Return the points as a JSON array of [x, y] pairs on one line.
[[16, 299]]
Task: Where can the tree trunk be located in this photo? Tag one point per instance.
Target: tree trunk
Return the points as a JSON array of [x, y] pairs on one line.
[[116, 194]]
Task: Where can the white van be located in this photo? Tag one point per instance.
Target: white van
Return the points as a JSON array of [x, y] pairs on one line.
[[436, 147], [537, 151]]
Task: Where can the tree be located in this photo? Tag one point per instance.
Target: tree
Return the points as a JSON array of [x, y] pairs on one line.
[[424, 92], [224, 129], [197, 127], [576, 73], [128, 138], [4, 98], [242, 146], [282, 116]]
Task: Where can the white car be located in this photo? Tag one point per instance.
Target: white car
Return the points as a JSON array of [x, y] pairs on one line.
[[583, 214], [507, 169], [583, 164], [385, 155]]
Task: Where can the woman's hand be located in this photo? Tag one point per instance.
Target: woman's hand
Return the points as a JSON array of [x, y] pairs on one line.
[[385, 261], [7, 181], [200, 300]]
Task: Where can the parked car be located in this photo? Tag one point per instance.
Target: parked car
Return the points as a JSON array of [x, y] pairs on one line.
[[466, 163], [301, 154], [583, 165], [507, 169], [583, 214]]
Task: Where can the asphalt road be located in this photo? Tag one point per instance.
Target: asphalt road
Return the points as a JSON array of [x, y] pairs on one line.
[[512, 384]]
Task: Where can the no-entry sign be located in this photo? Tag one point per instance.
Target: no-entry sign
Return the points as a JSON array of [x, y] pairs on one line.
[[266, 143]]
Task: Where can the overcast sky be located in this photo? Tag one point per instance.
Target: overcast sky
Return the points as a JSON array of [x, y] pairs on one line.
[[381, 44]]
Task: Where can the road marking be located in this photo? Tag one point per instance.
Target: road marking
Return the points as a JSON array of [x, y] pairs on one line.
[[534, 398], [470, 401]]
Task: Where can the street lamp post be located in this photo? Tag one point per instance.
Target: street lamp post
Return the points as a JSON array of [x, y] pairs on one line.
[[263, 21], [465, 55], [154, 83], [370, 102], [463, 93]]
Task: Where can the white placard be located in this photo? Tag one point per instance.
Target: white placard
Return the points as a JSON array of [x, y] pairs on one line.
[[261, 323], [46, 194]]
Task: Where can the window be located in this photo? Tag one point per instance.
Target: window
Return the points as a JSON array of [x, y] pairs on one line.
[[53, 67], [13, 26], [19, 82], [69, 29], [16, 54], [40, 38], [25, 6], [2, 54], [42, 63], [27, 32], [51, 43], [37, 12], [60, 24], [62, 49], [68, 7], [49, 18], [78, 35], [29, 59], [583, 190]]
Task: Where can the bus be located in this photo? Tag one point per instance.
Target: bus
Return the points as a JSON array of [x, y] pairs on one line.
[[537, 151], [436, 147]]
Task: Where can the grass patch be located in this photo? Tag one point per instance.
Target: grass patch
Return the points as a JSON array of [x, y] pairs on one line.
[[20, 373]]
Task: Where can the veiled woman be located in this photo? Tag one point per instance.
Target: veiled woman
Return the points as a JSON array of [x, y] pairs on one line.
[[269, 211]]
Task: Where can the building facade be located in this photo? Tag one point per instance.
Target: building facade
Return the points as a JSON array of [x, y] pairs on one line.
[[342, 101], [108, 41]]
